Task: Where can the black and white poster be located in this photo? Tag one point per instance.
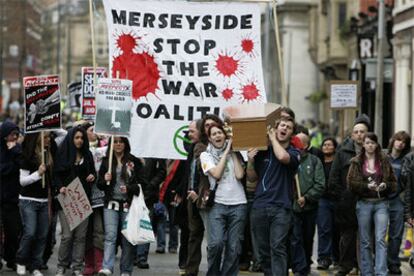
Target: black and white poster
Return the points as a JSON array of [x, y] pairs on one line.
[[42, 103], [74, 91], [88, 93]]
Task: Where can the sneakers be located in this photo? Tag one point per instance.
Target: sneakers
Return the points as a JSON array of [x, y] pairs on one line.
[[172, 250], [104, 272], [143, 264], [60, 271], [12, 266], [76, 273], [244, 266], [354, 271], [160, 250], [324, 264], [394, 270], [21, 269], [125, 274], [37, 272]]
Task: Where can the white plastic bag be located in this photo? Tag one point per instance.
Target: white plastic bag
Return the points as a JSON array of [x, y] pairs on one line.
[[137, 228]]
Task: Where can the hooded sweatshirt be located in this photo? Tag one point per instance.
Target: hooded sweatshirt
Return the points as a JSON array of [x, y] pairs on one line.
[[66, 170], [10, 165]]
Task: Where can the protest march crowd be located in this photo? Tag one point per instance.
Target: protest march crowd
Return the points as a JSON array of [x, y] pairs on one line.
[[259, 214]]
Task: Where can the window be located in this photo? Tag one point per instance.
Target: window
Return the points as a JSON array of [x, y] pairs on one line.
[[341, 14]]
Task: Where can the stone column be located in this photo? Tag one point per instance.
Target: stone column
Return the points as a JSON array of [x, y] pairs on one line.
[[402, 54], [411, 112]]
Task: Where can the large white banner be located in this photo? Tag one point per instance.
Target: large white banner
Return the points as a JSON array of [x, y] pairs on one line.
[[185, 60]]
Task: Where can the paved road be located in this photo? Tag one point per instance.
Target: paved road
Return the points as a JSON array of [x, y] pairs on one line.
[[166, 265]]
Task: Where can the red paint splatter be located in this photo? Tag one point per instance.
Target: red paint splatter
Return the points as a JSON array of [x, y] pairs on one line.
[[250, 92], [140, 68], [227, 65], [247, 45], [227, 93]]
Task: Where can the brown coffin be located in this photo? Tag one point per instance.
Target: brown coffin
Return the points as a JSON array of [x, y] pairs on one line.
[[249, 124]]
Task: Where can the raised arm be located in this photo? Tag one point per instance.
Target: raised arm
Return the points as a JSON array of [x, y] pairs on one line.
[[238, 167], [280, 153], [250, 171], [217, 171]]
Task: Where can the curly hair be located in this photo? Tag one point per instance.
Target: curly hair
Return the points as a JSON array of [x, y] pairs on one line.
[[400, 136]]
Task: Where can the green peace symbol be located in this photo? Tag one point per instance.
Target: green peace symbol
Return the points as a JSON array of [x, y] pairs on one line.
[[178, 137]]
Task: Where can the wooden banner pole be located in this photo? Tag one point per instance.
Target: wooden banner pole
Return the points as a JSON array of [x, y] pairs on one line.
[[111, 149], [280, 58], [342, 124], [93, 43], [298, 186], [111, 154], [42, 150]]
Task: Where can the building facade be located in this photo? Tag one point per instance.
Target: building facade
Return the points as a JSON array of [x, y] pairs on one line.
[[403, 31], [20, 45], [301, 73]]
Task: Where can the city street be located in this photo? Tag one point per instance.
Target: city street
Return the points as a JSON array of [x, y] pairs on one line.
[[166, 265], [290, 120]]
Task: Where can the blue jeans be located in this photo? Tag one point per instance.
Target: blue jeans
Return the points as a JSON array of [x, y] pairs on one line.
[[395, 231], [112, 222], [226, 230], [162, 223], [270, 228], [325, 221], [143, 251], [302, 241], [35, 221], [368, 212]]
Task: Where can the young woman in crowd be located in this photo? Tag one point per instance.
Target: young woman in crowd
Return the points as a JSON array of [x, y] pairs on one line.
[[34, 201], [124, 176], [398, 148], [328, 236], [371, 179], [73, 160], [227, 216], [95, 234]]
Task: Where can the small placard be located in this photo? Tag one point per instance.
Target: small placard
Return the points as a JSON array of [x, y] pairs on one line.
[[75, 204], [344, 94]]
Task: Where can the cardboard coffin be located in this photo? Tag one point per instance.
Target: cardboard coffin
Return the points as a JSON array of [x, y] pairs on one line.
[[249, 124]]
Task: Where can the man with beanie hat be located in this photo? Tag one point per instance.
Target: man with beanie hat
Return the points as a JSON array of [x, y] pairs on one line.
[[345, 206]]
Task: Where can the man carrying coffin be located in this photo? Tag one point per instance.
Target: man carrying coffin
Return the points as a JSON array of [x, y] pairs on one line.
[[271, 214]]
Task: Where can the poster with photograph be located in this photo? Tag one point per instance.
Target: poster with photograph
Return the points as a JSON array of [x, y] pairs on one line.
[[42, 103], [88, 95], [75, 91], [113, 105]]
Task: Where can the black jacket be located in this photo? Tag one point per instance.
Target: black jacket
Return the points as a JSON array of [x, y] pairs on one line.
[[345, 199], [407, 180], [65, 170], [155, 171], [10, 166], [131, 181]]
